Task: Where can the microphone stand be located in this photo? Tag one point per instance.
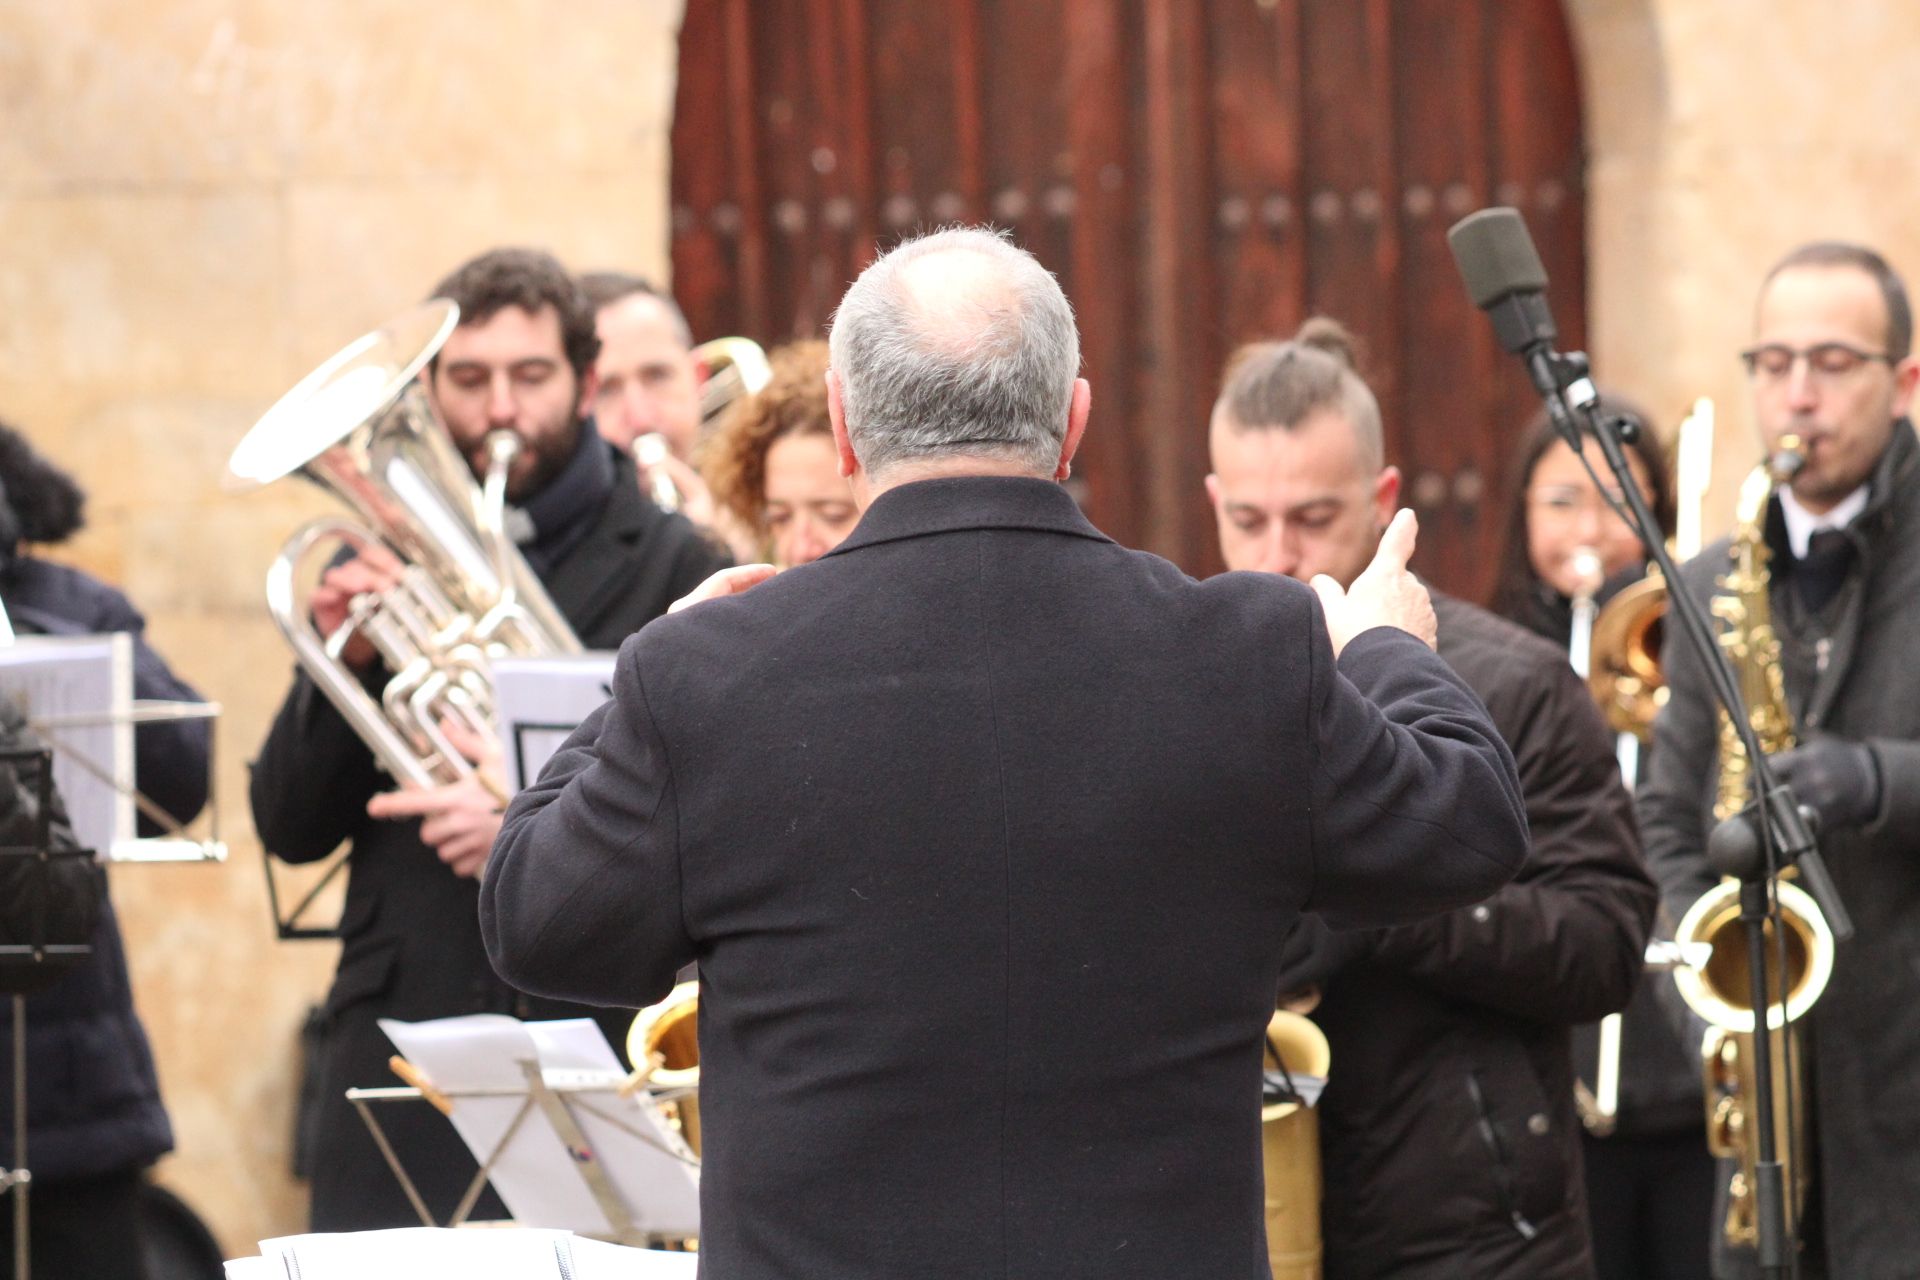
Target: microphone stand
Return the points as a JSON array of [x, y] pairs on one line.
[[1754, 845]]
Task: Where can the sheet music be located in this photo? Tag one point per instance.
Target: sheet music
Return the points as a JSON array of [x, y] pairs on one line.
[[89, 677], [539, 701], [408, 1253], [534, 1173]]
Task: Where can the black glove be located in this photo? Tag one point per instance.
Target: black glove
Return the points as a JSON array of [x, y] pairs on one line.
[[1838, 780]]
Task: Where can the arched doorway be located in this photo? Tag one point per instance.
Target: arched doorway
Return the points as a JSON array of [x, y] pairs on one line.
[[1198, 173]]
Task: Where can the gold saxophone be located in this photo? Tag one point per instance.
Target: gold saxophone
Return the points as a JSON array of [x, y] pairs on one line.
[[1290, 1149], [1720, 991]]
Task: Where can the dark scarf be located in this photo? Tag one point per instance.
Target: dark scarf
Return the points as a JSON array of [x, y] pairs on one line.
[[558, 516]]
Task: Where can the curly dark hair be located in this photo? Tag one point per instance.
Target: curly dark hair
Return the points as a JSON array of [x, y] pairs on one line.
[[794, 402], [46, 505], [529, 279]]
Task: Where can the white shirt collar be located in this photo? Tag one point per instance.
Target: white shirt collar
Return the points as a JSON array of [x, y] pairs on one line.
[[1802, 524]]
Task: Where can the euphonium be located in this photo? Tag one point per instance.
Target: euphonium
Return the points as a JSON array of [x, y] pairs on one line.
[[1719, 991], [1290, 1149], [361, 427], [663, 1044], [736, 367]]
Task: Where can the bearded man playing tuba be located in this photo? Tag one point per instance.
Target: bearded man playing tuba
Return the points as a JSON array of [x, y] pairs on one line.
[[520, 360]]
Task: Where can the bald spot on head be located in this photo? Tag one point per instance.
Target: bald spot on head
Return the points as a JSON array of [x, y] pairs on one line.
[[960, 301]]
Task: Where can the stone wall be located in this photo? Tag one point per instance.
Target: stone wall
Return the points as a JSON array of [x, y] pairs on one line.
[[199, 200], [1723, 133]]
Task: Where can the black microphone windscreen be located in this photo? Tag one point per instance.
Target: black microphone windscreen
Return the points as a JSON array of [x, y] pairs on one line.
[[1496, 256]]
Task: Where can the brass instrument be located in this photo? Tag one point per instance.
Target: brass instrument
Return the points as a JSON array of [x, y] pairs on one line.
[[1624, 674], [1290, 1149], [1719, 990], [736, 368], [664, 1046], [361, 427]]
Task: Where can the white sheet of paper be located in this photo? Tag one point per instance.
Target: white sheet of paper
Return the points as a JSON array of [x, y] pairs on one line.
[[90, 677], [597, 1260], [538, 702], [534, 1173], [408, 1253]]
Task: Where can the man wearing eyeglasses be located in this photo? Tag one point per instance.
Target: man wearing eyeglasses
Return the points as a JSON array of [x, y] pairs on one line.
[[1831, 364]]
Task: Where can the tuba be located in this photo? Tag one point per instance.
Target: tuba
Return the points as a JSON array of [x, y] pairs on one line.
[[1719, 990], [664, 1046], [1290, 1144], [736, 368], [361, 427]]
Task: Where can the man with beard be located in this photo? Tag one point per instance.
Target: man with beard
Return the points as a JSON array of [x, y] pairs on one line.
[[1831, 363], [521, 359]]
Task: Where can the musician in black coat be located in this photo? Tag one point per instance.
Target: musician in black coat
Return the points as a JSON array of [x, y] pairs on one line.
[[1447, 1130], [985, 832], [520, 359]]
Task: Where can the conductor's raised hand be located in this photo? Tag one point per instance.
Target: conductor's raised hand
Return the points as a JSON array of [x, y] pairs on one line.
[[1384, 595], [727, 582]]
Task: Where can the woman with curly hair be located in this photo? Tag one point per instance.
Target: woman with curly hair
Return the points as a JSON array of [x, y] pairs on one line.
[[773, 467]]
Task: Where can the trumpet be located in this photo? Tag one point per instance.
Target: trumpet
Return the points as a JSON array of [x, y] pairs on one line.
[[736, 367], [362, 428]]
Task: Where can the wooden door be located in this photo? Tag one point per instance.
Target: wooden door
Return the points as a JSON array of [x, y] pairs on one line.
[[1197, 172]]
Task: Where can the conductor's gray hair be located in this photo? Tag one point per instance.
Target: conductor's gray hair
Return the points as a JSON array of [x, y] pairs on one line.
[[974, 356]]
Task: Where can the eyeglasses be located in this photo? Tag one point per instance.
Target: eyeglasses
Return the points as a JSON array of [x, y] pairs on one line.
[[1830, 361], [1565, 501]]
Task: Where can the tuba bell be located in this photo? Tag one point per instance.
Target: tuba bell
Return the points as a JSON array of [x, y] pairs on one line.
[[362, 428]]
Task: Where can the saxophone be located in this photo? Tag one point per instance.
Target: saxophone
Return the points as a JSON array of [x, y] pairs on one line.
[[1719, 990]]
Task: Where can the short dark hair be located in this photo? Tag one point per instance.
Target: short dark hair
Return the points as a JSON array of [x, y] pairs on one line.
[[604, 288], [1893, 290], [529, 279]]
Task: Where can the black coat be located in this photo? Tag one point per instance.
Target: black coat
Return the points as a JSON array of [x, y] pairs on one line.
[[1865, 1040], [93, 1101], [1659, 1067], [1448, 1133], [410, 944], [985, 833]]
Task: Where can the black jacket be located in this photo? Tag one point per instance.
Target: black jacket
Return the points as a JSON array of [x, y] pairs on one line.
[[985, 833], [1449, 1139], [410, 938], [1659, 1067], [1865, 1042], [93, 1102]]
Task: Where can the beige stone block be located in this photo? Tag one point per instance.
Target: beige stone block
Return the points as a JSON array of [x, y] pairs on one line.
[[106, 93], [359, 253], [116, 294]]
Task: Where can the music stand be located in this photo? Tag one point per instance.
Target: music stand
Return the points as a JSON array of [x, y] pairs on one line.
[[559, 1098], [16, 1181]]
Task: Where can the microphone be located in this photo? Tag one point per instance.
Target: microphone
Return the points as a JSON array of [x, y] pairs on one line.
[[1504, 277]]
